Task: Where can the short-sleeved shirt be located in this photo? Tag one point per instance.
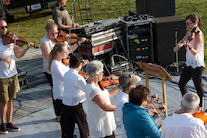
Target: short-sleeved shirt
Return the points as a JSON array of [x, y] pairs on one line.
[[61, 16], [6, 51], [101, 123]]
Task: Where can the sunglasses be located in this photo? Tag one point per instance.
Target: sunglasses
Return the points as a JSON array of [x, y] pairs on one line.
[[3, 27]]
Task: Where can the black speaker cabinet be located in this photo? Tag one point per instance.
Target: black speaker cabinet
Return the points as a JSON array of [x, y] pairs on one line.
[[156, 8], [164, 39]]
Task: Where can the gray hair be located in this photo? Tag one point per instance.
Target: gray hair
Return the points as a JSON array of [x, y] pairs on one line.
[[190, 102], [94, 67], [124, 80]]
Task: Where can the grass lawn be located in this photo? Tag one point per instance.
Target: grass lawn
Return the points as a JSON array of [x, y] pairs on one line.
[[31, 27]]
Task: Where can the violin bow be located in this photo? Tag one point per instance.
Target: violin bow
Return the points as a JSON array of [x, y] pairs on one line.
[[156, 110], [14, 45]]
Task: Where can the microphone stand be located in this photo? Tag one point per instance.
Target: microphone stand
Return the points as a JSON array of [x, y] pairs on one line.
[[177, 73]]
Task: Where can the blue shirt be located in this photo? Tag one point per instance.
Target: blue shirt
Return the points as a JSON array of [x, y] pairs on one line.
[[138, 122]]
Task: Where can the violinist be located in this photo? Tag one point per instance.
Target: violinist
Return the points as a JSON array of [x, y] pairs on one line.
[[73, 97], [136, 119], [127, 81], [48, 42], [8, 78], [182, 124], [194, 65], [100, 115], [58, 69]]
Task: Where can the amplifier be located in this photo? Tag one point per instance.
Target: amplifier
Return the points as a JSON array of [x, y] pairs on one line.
[[101, 42], [89, 50], [94, 27], [141, 49]]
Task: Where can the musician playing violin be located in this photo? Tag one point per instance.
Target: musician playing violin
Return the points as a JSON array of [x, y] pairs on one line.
[[100, 114], [194, 65], [48, 42], [8, 78], [182, 124], [136, 118]]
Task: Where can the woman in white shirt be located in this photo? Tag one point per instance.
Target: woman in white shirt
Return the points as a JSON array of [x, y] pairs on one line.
[[100, 116], [194, 65], [58, 69]]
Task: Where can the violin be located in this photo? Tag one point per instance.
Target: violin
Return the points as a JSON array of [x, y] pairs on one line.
[[109, 80], [201, 115], [73, 37], [192, 34], [66, 61], [10, 38]]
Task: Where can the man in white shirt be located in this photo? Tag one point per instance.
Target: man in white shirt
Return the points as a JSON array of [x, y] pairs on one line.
[[73, 97], [126, 82], [8, 77], [182, 124]]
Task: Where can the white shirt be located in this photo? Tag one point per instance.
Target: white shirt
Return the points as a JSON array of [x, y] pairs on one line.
[[5, 70], [183, 126], [195, 60], [51, 44], [58, 70], [74, 88], [101, 123], [122, 99]]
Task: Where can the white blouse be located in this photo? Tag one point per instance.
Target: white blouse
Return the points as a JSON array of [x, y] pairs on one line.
[[58, 70], [195, 60], [101, 123]]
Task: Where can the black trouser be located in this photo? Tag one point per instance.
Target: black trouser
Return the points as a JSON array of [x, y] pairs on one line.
[[196, 75], [72, 115], [49, 78], [58, 107]]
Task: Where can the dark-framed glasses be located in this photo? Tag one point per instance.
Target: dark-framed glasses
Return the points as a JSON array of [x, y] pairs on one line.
[[4, 27]]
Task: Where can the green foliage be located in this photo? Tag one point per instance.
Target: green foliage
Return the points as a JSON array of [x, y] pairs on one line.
[[31, 27]]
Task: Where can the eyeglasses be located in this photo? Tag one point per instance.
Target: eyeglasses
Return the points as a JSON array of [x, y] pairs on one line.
[[188, 24], [54, 34], [4, 27], [66, 52]]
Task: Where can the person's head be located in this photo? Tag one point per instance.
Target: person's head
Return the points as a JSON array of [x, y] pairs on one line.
[[192, 20], [60, 51], [139, 95], [128, 80], [61, 2], [190, 102], [51, 29], [75, 60], [3, 27], [95, 69]]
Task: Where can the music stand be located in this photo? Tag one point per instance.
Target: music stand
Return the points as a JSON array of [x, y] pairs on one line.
[[159, 71]]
